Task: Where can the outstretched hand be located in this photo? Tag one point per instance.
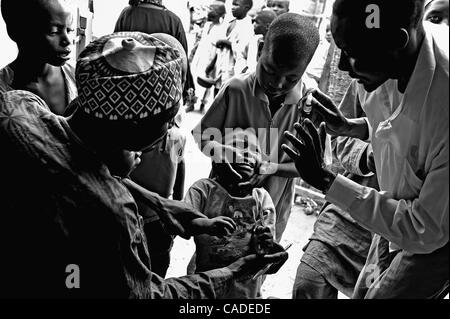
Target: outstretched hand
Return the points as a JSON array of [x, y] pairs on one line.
[[249, 266], [219, 226], [324, 110], [308, 154]]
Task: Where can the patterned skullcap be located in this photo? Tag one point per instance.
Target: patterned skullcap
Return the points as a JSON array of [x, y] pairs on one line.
[[129, 76]]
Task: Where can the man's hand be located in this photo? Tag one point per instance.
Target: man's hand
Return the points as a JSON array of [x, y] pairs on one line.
[[218, 226], [308, 155], [324, 110], [224, 155], [255, 181], [247, 267]]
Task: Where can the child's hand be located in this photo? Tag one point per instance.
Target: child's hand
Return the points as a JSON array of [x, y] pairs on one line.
[[221, 226], [218, 226], [262, 240]]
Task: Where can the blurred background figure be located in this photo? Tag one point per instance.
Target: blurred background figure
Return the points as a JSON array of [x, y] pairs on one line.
[[279, 6], [261, 25], [205, 52], [315, 68], [151, 16]]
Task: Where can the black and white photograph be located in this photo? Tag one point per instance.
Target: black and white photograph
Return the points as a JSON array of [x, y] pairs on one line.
[[233, 156]]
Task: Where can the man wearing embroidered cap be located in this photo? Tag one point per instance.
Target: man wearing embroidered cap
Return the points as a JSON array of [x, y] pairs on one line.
[[80, 234]]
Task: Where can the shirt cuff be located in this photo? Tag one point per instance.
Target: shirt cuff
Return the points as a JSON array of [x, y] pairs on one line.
[[358, 159], [343, 192], [369, 139]]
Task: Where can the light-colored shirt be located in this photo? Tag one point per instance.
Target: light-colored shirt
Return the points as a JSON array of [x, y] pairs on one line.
[[243, 104], [257, 209], [206, 49], [251, 55], [411, 148], [228, 63]]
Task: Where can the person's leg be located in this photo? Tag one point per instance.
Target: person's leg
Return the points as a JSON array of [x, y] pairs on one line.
[[377, 261], [402, 275], [310, 284], [412, 276]]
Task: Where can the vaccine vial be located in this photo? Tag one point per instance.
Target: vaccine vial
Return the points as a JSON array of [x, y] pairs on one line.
[[307, 106]]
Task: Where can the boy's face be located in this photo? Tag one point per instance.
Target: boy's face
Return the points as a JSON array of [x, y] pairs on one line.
[[214, 13], [364, 56], [278, 6], [122, 162], [50, 38], [239, 9], [437, 12], [278, 79], [259, 26]]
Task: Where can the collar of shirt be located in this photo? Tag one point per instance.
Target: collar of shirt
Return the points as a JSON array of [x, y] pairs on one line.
[[420, 83], [417, 91], [292, 97]]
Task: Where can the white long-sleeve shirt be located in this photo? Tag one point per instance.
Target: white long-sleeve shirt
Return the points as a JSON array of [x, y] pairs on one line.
[[410, 139]]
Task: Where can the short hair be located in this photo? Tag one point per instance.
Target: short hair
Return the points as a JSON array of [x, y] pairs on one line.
[[393, 13], [14, 12], [292, 37], [266, 15], [220, 7]]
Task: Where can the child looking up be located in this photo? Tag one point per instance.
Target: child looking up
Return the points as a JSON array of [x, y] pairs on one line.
[[250, 208]]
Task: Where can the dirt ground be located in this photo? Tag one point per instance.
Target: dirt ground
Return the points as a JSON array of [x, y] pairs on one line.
[[297, 232]]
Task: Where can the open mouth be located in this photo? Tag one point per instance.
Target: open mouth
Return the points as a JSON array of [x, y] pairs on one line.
[[64, 55]]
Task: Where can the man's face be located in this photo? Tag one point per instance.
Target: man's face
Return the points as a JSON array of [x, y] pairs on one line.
[[278, 6], [278, 79], [239, 9], [437, 12], [364, 56], [51, 38]]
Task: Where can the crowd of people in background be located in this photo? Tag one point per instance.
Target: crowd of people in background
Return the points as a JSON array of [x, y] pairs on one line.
[[94, 156]]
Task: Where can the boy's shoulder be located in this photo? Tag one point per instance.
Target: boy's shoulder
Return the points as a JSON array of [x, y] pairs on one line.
[[242, 83], [205, 184]]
